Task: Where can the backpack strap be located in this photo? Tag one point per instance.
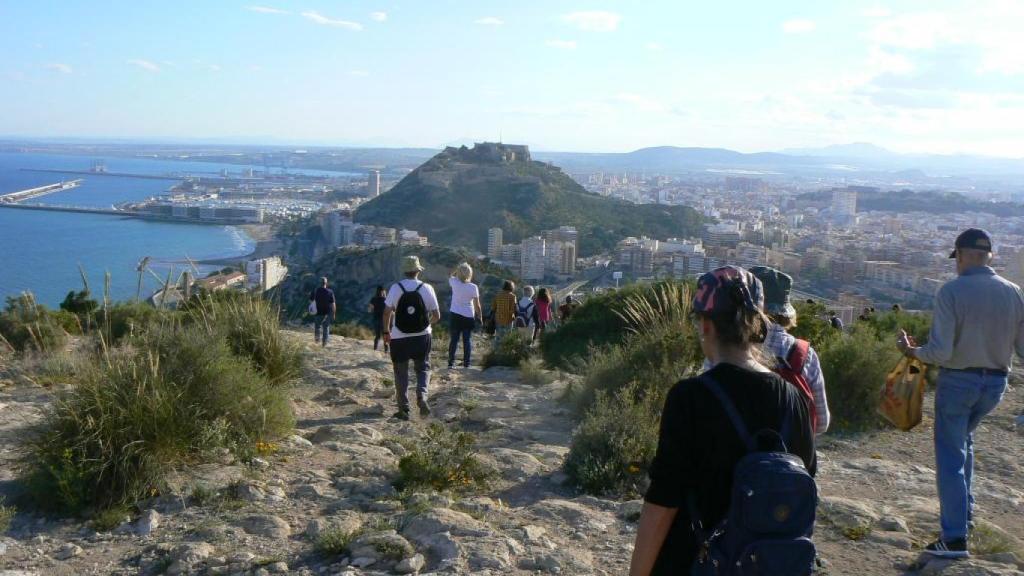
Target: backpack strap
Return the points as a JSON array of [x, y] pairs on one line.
[[730, 411], [798, 354]]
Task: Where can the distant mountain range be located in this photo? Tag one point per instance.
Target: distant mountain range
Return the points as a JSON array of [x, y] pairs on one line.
[[830, 160]]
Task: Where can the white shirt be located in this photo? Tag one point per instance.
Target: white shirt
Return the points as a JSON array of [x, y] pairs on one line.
[[429, 300], [463, 294]]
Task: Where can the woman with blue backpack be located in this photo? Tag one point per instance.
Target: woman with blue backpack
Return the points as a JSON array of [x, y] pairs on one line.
[[732, 489]]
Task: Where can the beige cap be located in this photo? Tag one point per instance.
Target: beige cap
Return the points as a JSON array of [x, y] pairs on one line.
[[411, 264]]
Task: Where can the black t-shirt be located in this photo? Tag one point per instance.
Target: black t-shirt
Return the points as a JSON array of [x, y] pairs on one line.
[[698, 449], [323, 297], [378, 307]]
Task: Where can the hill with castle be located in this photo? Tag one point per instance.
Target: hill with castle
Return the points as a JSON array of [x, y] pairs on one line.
[[457, 195]]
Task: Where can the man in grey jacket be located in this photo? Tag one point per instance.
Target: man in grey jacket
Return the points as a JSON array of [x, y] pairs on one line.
[[978, 324]]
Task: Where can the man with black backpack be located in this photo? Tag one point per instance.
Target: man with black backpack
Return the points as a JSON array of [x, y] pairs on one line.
[[412, 304]]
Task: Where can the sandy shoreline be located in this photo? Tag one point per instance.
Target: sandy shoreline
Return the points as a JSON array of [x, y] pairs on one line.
[[267, 244]]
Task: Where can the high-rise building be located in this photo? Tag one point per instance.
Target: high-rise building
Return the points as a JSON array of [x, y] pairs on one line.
[[568, 263], [844, 204], [532, 263], [373, 184], [562, 234], [494, 243], [512, 254], [265, 273]]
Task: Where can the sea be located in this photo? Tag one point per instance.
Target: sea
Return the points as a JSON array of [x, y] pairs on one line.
[[43, 252]]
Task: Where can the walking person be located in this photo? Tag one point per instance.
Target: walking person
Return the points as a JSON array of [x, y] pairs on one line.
[[465, 311], [376, 309], [835, 321], [565, 310], [795, 360], [526, 314], [322, 301], [410, 308], [504, 307], [544, 315], [976, 328], [704, 428]]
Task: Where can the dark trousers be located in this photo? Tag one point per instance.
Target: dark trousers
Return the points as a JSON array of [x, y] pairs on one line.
[[378, 333], [417, 350], [460, 326], [322, 323]]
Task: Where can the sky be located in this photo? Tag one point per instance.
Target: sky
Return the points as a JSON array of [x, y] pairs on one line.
[[596, 75]]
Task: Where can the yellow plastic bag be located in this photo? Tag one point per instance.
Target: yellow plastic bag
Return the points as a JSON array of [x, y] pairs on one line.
[[903, 394]]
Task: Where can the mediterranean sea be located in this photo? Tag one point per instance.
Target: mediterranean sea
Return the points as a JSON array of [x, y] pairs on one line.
[[41, 251]]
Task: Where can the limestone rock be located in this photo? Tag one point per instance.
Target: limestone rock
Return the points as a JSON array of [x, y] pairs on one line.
[[192, 552], [440, 520], [266, 525], [352, 433], [411, 565], [68, 551], [382, 547], [147, 523]]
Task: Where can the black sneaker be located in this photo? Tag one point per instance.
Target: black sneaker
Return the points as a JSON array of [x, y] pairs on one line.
[[424, 409], [948, 548], [402, 415]]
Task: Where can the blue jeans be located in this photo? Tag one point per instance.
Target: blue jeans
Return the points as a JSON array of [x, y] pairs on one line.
[[417, 350], [460, 326], [321, 323], [962, 399]]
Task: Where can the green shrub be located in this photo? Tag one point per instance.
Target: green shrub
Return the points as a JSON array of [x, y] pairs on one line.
[[600, 321], [175, 394], [813, 324], [613, 446], [652, 360], [27, 325], [855, 366], [110, 518], [6, 515], [252, 328], [512, 350], [128, 320], [532, 372], [352, 330], [889, 324], [443, 459], [335, 541]]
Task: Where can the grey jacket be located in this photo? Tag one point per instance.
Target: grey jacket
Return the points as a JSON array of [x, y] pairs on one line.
[[978, 322]]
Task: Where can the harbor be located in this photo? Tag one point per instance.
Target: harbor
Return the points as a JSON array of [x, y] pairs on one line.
[[38, 191]]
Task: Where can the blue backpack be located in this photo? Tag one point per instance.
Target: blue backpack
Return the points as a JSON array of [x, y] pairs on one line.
[[767, 529]]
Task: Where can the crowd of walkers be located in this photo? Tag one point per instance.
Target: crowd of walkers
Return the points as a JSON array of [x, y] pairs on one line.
[[731, 483]]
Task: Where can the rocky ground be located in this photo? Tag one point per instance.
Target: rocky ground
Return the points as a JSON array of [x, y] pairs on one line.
[[334, 475]]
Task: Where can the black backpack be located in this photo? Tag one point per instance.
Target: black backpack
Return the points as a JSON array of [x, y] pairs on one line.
[[411, 312], [768, 528]]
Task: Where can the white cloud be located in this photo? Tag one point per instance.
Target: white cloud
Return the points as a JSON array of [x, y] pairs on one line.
[[798, 26], [654, 46], [562, 44], [58, 67], [379, 16], [489, 21], [267, 10], [877, 12], [325, 21], [213, 67], [255, 68], [358, 73], [594, 21], [640, 102], [144, 64]]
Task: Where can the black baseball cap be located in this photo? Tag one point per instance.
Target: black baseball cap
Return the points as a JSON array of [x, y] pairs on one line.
[[974, 239]]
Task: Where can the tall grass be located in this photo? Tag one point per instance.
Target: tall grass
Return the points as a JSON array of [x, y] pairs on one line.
[[27, 325], [213, 377]]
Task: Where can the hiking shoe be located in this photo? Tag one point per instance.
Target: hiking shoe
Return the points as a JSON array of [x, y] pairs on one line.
[[402, 415], [451, 366], [424, 409], [948, 548]]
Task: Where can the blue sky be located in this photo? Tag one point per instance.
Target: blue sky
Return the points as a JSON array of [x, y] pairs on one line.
[[914, 76]]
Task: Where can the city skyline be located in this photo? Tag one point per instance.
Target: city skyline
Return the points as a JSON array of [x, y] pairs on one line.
[[911, 76]]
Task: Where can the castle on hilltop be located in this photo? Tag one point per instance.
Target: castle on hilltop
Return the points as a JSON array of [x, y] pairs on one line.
[[492, 152]]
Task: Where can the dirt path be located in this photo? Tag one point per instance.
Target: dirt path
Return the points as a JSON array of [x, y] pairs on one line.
[[878, 496]]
